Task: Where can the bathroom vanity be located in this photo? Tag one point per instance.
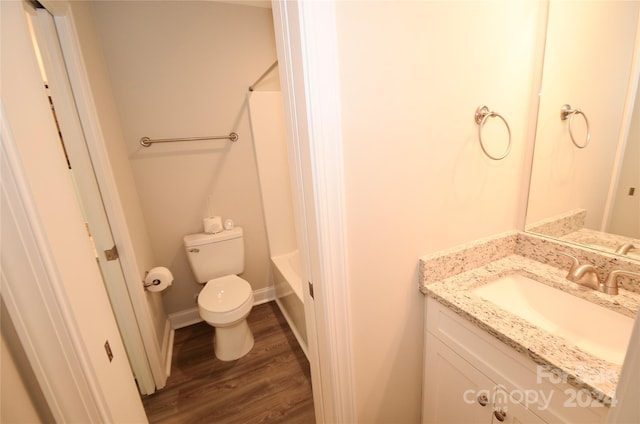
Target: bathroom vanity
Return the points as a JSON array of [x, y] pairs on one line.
[[503, 343]]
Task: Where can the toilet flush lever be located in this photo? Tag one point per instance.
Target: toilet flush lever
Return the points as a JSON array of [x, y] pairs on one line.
[[193, 250]]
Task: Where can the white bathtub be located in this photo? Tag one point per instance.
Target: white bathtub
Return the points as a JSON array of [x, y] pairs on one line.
[[289, 295]]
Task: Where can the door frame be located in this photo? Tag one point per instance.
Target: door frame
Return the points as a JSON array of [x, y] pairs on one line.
[[308, 56]]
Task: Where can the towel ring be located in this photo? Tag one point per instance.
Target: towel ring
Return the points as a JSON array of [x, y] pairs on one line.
[[567, 113], [481, 116]]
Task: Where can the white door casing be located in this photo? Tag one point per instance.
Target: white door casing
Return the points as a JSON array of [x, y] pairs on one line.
[[307, 53]]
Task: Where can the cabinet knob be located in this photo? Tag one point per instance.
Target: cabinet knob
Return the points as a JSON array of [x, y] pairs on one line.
[[500, 414], [483, 400]]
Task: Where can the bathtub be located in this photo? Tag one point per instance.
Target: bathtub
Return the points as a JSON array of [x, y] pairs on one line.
[[289, 295]]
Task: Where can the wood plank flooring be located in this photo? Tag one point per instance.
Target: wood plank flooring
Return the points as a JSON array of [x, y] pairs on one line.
[[271, 384]]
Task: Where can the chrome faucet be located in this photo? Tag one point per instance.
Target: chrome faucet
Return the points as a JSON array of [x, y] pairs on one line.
[[625, 248], [610, 285], [585, 274]]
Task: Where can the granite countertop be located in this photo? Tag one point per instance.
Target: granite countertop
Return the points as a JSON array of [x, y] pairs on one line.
[[583, 370]]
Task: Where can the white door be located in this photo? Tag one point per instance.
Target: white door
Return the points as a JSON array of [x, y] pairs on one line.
[[90, 199]]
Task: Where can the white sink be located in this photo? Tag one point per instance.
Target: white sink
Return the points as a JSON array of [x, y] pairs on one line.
[[593, 328]]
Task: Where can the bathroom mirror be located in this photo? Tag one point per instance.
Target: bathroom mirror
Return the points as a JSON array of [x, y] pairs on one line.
[[585, 178]]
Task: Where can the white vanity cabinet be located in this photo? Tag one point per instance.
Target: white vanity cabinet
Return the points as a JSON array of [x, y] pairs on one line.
[[472, 377], [460, 393]]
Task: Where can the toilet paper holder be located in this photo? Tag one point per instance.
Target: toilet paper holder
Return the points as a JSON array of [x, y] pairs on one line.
[[153, 283], [157, 279]]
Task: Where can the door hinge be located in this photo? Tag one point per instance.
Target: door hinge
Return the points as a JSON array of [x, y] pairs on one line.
[[111, 254], [310, 289], [107, 348]]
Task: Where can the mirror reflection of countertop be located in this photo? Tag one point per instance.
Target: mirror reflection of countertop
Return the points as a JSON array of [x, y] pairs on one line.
[[604, 241], [570, 227]]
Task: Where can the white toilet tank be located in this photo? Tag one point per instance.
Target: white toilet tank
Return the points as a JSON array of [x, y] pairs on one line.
[[215, 255]]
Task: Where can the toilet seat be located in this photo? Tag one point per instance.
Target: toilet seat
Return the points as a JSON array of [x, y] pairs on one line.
[[225, 300]]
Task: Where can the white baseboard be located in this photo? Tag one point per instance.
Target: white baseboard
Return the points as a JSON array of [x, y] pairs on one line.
[[264, 295], [167, 347], [184, 318], [191, 316]]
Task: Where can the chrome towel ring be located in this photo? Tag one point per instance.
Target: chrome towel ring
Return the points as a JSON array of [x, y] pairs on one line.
[[482, 114], [567, 113]]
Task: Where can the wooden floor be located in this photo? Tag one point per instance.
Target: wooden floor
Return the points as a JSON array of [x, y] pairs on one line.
[[271, 384]]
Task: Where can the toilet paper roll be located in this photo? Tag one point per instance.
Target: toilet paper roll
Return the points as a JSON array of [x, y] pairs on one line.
[[158, 279], [212, 224]]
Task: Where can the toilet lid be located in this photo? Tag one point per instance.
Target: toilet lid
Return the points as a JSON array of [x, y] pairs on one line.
[[224, 294]]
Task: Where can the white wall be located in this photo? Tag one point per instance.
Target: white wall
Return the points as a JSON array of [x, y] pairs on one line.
[[182, 69], [412, 75], [16, 403], [587, 69], [267, 126], [21, 400]]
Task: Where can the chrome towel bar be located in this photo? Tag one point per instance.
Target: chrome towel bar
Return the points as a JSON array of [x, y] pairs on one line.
[[146, 141], [567, 113], [482, 114]]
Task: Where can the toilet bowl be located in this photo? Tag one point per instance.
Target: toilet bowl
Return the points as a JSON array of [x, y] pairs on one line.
[[226, 299], [225, 303]]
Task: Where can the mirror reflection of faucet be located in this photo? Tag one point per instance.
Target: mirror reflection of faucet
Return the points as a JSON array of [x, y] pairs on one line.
[[587, 275], [625, 248]]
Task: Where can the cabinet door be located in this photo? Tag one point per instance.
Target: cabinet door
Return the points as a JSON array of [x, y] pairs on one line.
[[508, 411], [453, 390]]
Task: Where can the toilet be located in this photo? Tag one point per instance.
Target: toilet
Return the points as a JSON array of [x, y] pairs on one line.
[[226, 299]]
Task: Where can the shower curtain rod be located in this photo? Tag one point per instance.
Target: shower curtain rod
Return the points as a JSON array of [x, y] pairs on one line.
[[263, 75]]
